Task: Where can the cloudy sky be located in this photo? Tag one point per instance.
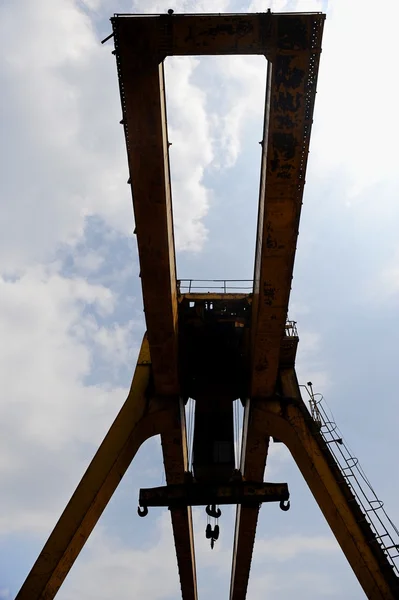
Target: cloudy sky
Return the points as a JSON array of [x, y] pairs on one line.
[[71, 316]]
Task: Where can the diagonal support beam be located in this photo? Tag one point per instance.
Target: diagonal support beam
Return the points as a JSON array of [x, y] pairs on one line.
[[140, 418], [288, 419]]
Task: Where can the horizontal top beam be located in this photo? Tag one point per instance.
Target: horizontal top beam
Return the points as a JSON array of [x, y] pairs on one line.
[[154, 15], [212, 34]]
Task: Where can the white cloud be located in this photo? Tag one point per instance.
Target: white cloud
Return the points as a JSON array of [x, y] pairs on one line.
[[311, 362], [240, 100], [180, 6], [116, 342], [190, 153], [277, 459], [383, 287], [389, 279], [282, 549], [354, 86], [286, 6], [303, 556], [63, 159], [89, 262], [112, 569], [53, 419], [62, 147]]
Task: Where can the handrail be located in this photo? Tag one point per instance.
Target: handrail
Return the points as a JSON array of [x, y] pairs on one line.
[[191, 285], [386, 533]]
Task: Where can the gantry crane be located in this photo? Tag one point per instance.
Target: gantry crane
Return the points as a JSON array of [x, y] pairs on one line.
[[217, 347]]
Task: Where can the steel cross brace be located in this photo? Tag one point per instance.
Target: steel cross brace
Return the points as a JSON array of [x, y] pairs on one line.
[[142, 416], [197, 494]]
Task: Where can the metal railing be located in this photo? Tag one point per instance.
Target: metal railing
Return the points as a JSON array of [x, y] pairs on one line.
[[386, 533], [291, 329], [220, 286]]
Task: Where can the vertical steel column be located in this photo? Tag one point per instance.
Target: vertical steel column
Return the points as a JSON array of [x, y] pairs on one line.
[[175, 457]]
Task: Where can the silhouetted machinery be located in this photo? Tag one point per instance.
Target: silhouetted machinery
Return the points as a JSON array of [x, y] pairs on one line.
[[216, 348]]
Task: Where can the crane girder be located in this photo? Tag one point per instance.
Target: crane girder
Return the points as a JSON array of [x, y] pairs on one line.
[[290, 92]]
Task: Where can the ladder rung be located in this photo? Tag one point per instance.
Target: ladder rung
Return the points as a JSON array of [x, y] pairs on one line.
[[378, 537]]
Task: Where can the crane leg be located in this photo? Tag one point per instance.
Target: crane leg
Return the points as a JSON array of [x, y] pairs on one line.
[[253, 462], [174, 448], [141, 417], [287, 418]]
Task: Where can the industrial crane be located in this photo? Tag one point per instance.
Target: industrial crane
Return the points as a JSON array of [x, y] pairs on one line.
[[216, 348]]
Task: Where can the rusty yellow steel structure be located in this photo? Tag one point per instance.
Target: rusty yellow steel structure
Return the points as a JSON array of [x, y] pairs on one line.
[[288, 419], [292, 44], [290, 94]]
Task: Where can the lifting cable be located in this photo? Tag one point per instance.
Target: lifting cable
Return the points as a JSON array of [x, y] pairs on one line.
[[190, 432], [237, 452]]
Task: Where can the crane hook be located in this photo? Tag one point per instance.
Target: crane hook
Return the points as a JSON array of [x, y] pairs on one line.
[[212, 534], [142, 511], [285, 505], [212, 511]]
